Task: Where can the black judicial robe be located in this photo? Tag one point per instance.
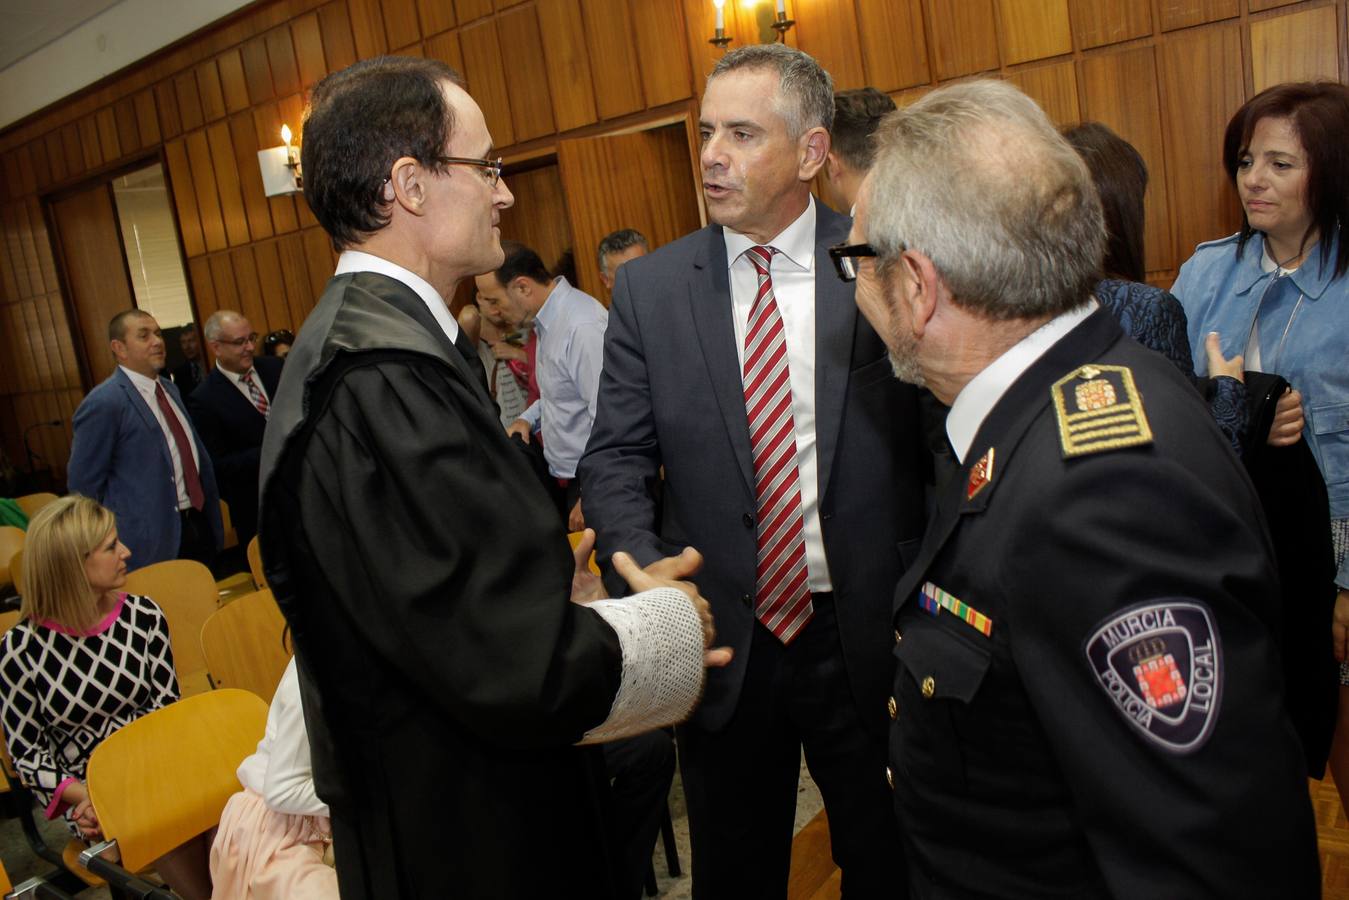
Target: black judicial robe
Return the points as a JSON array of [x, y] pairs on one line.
[[425, 578]]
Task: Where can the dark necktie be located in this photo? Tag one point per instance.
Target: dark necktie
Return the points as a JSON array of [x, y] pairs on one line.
[[470, 355], [190, 476]]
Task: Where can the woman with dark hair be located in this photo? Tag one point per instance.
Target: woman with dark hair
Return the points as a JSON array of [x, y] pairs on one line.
[[278, 343], [1148, 314], [1275, 293]]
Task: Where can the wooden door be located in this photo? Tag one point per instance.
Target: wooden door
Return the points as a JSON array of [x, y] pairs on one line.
[[642, 179], [95, 269]]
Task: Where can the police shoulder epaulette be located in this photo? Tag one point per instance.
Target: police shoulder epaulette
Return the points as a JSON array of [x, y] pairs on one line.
[[1098, 408]]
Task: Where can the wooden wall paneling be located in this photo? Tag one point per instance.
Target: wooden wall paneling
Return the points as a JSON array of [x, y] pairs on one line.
[[400, 22], [320, 260], [300, 298], [223, 281], [964, 37], [189, 101], [281, 56], [567, 59], [308, 38], [1033, 29], [701, 20], [184, 198], [211, 91], [147, 118], [1201, 89], [830, 35], [1258, 5], [62, 333], [9, 282], [507, 4], [124, 119], [339, 46], [42, 170], [23, 287], [445, 47], [291, 110], [9, 186], [42, 238], [28, 239], [74, 153], [1299, 46], [1054, 87], [1184, 13], [468, 10], [27, 175], [1101, 22], [483, 69], [271, 288], [245, 142], [248, 291], [166, 101], [203, 184], [1120, 91], [108, 142], [527, 74], [203, 289], [233, 84], [56, 156], [367, 27], [40, 370], [663, 52], [226, 168], [539, 217], [435, 16], [91, 150], [894, 50], [257, 71], [616, 69], [267, 126]]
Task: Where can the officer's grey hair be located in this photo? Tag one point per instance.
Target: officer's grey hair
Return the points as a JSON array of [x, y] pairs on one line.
[[976, 178], [215, 325], [805, 97], [617, 242]]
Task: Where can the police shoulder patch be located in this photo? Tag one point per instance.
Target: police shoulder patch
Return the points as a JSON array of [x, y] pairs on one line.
[[1160, 663], [1098, 408]]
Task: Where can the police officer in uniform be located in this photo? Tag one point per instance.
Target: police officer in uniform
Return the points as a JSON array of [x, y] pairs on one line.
[[1087, 701]]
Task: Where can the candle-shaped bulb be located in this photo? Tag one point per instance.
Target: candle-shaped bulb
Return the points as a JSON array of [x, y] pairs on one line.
[[721, 16], [782, 9], [285, 134]]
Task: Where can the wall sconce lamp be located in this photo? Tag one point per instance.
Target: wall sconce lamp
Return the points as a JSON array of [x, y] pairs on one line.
[[720, 39], [281, 167], [781, 24]]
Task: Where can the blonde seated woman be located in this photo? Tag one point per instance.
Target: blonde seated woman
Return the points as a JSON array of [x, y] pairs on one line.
[[85, 659], [274, 835]]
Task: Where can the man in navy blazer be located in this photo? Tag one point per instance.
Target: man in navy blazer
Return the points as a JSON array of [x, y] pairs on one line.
[[128, 456], [673, 396], [230, 410]]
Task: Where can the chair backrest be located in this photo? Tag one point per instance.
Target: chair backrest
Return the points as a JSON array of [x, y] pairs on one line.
[[243, 646], [16, 571], [11, 542], [164, 779], [231, 538], [255, 563], [31, 503], [186, 592]]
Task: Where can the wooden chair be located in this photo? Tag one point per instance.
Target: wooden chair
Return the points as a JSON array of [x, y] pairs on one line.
[[165, 778], [255, 563], [31, 503], [11, 542], [574, 538], [231, 537], [243, 647], [16, 570], [186, 592]]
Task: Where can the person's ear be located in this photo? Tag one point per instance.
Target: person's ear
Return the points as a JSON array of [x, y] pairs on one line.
[[407, 185], [921, 287], [812, 149]]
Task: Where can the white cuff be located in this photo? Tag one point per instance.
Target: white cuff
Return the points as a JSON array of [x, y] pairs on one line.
[[661, 634]]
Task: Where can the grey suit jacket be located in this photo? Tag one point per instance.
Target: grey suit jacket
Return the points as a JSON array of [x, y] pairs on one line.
[[671, 395]]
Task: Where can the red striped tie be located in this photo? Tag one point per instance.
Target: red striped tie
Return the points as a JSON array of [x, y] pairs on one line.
[[783, 603], [259, 399]]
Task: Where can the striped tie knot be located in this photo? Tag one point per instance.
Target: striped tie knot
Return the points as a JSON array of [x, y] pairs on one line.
[[761, 257]]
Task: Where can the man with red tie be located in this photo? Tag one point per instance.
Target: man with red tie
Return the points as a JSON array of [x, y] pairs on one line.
[[135, 451], [736, 361], [230, 410]]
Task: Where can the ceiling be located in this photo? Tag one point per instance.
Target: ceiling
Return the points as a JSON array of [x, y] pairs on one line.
[[32, 24]]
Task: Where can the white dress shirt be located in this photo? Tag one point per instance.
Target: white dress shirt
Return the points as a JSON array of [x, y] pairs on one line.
[[280, 770], [237, 379], [356, 261], [977, 399], [146, 388], [793, 272]]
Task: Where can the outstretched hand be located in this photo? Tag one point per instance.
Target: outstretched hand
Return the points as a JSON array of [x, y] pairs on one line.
[[586, 586], [1232, 368], [670, 572]]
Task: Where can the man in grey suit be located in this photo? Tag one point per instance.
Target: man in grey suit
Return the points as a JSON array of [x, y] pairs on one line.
[[735, 359], [136, 452]]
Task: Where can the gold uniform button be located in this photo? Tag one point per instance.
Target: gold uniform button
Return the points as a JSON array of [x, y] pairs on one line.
[[890, 778], [898, 637], [929, 687], [893, 707]]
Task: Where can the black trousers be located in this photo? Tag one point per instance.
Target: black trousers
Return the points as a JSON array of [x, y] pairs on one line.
[[641, 770], [196, 540], [741, 782]]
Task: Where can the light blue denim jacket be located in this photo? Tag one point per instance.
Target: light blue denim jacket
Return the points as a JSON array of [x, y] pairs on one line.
[[1222, 292]]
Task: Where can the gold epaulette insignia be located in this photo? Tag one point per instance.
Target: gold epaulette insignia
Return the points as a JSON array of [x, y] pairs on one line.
[[1098, 408]]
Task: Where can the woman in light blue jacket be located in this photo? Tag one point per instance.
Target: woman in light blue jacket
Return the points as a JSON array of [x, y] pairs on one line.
[[1276, 293]]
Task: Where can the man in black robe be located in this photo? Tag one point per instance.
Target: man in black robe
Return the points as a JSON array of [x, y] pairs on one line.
[[445, 675]]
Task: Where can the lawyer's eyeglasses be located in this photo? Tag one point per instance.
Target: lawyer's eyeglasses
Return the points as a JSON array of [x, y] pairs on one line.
[[845, 258], [491, 167]]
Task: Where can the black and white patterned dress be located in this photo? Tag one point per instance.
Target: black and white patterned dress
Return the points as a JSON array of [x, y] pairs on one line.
[[64, 692]]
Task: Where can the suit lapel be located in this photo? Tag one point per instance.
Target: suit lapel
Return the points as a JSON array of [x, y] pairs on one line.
[[710, 309], [835, 329]]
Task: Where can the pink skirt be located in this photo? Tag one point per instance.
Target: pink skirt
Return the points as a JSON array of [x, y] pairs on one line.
[[259, 854]]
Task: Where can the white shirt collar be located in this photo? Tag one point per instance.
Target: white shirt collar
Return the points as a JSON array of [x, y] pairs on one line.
[[359, 261], [977, 399], [796, 242], [236, 377], [145, 385]]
